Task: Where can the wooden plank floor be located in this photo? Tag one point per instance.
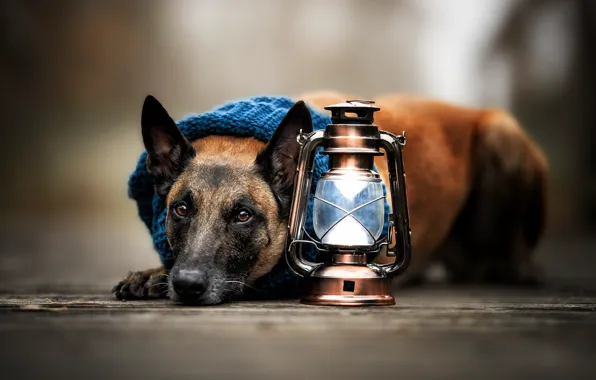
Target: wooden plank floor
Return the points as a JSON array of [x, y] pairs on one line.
[[430, 333]]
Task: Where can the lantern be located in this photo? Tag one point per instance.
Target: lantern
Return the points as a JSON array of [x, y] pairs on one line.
[[348, 211]]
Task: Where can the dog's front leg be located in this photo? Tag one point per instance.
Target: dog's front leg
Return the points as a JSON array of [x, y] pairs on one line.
[[147, 284]]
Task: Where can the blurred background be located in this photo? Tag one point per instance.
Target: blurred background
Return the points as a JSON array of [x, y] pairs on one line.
[[75, 73]]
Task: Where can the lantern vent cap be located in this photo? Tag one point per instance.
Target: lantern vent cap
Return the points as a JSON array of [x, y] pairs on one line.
[[353, 112]]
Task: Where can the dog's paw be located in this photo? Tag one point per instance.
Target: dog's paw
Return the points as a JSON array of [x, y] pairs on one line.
[[142, 285]]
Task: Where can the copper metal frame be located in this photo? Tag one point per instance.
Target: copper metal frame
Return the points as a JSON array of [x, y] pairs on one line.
[[345, 279]]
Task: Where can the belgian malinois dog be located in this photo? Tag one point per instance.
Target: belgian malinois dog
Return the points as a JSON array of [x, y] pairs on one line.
[[476, 192]]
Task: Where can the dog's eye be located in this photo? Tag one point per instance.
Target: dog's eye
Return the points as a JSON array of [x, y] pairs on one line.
[[181, 210], [243, 216]]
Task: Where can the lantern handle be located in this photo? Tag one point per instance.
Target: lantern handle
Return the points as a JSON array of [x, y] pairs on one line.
[[393, 145], [302, 183]]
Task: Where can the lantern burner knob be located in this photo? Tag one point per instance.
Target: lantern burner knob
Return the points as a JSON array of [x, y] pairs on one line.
[[353, 112]]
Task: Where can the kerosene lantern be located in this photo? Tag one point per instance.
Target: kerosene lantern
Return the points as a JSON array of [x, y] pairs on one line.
[[348, 211]]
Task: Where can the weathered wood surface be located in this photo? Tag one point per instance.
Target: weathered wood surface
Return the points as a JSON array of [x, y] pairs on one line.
[[430, 333]]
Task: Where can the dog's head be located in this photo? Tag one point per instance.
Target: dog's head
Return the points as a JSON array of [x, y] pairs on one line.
[[227, 200]]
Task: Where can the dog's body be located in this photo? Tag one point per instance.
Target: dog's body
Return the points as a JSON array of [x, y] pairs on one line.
[[476, 193]]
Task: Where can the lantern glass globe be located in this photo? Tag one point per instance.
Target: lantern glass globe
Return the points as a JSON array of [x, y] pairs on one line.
[[348, 212]]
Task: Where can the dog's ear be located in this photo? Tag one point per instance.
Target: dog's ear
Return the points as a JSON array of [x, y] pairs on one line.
[[278, 160], [168, 150]]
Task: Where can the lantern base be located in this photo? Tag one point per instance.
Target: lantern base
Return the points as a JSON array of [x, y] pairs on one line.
[[347, 285]]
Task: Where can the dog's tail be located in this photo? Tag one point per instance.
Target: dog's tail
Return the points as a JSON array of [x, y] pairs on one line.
[[505, 149], [505, 215]]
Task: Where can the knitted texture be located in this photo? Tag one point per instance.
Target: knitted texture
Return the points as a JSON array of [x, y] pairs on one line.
[[256, 117]]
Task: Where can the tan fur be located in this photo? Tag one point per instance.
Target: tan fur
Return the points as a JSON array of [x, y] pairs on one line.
[[239, 149]]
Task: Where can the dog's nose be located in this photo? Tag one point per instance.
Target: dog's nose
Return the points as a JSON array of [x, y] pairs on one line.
[[189, 283]]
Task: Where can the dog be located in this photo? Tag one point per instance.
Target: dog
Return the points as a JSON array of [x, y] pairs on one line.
[[476, 183]]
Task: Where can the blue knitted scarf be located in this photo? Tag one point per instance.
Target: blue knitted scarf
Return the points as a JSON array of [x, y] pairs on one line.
[[256, 117]]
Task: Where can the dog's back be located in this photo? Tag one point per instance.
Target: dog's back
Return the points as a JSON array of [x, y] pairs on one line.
[[476, 186]]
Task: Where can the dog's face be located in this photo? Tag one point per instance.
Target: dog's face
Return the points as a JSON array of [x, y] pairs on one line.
[[227, 200]]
